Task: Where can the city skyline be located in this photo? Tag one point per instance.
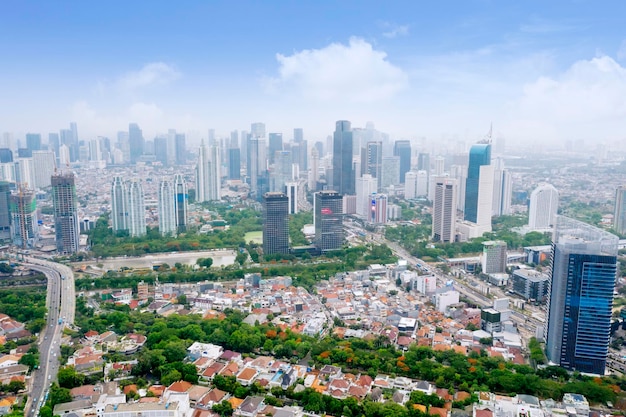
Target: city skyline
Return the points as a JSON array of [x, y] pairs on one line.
[[542, 73]]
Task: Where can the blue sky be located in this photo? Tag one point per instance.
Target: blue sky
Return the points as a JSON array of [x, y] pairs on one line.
[[540, 71]]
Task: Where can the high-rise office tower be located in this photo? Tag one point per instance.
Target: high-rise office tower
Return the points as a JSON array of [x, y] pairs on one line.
[[119, 209], [402, 149], [24, 222], [275, 145], [66, 227], [275, 223], [33, 141], [167, 208], [44, 164], [234, 140], [25, 173], [5, 214], [365, 187], [343, 171], [282, 171], [181, 149], [234, 164], [460, 173], [328, 212], [181, 201], [208, 181], [378, 209], [502, 189], [583, 274], [390, 172], [444, 210], [171, 147], [298, 134], [479, 186], [423, 162], [64, 156], [619, 219], [6, 155], [314, 172], [53, 143], [291, 191], [544, 205], [160, 149], [257, 130], [136, 206], [299, 154], [372, 160], [440, 165], [135, 141], [494, 257]]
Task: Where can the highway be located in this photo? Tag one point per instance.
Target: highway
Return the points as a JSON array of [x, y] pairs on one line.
[[61, 304]]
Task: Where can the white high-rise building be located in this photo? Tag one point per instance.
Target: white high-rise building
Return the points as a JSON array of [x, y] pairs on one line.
[[502, 189], [45, 163], [390, 171], [119, 210], [167, 209], [314, 174], [208, 179], [410, 185], [136, 209], [444, 210], [25, 173], [64, 155], [291, 191], [544, 204], [365, 187], [485, 198], [460, 173]]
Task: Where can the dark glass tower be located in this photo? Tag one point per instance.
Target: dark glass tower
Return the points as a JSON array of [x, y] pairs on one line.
[[181, 202], [275, 223], [135, 141], [33, 141], [65, 213], [402, 148], [343, 172], [275, 144], [372, 160], [480, 154], [328, 211], [234, 164], [584, 269]]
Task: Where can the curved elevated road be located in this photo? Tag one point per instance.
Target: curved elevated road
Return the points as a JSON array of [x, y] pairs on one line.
[[61, 304]]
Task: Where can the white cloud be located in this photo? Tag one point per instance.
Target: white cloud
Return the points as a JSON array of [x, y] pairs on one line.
[[353, 73], [153, 73], [586, 101], [621, 52], [393, 30]]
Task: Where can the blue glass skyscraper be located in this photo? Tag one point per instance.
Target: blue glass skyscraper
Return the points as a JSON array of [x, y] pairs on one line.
[[343, 172], [480, 154], [584, 268]]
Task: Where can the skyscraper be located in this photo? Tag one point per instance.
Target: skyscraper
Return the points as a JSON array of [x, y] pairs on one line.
[[275, 145], [444, 210], [5, 214], [494, 257], [24, 225], [479, 186], [372, 160], [365, 187], [291, 191], [208, 181], [33, 141], [583, 273], [402, 149], [167, 210], [619, 219], [544, 205], [298, 134], [328, 212], [234, 164], [119, 209], [66, 227], [275, 223], [136, 207], [181, 149], [181, 201], [390, 172], [44, 164], [136, 142], [282, 172], [343, 171], [502, 189], [378, 209]]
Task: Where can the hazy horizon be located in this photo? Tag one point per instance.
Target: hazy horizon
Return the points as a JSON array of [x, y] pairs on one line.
[[539, 72]]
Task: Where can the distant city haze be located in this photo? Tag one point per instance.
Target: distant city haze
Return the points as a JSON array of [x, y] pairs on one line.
[[543, 74]]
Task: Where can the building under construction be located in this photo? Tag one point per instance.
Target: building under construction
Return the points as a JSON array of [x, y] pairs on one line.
[[24, 226], [66, 223]]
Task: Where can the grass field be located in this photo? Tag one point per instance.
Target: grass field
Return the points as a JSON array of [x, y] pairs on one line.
[[256, 237]]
